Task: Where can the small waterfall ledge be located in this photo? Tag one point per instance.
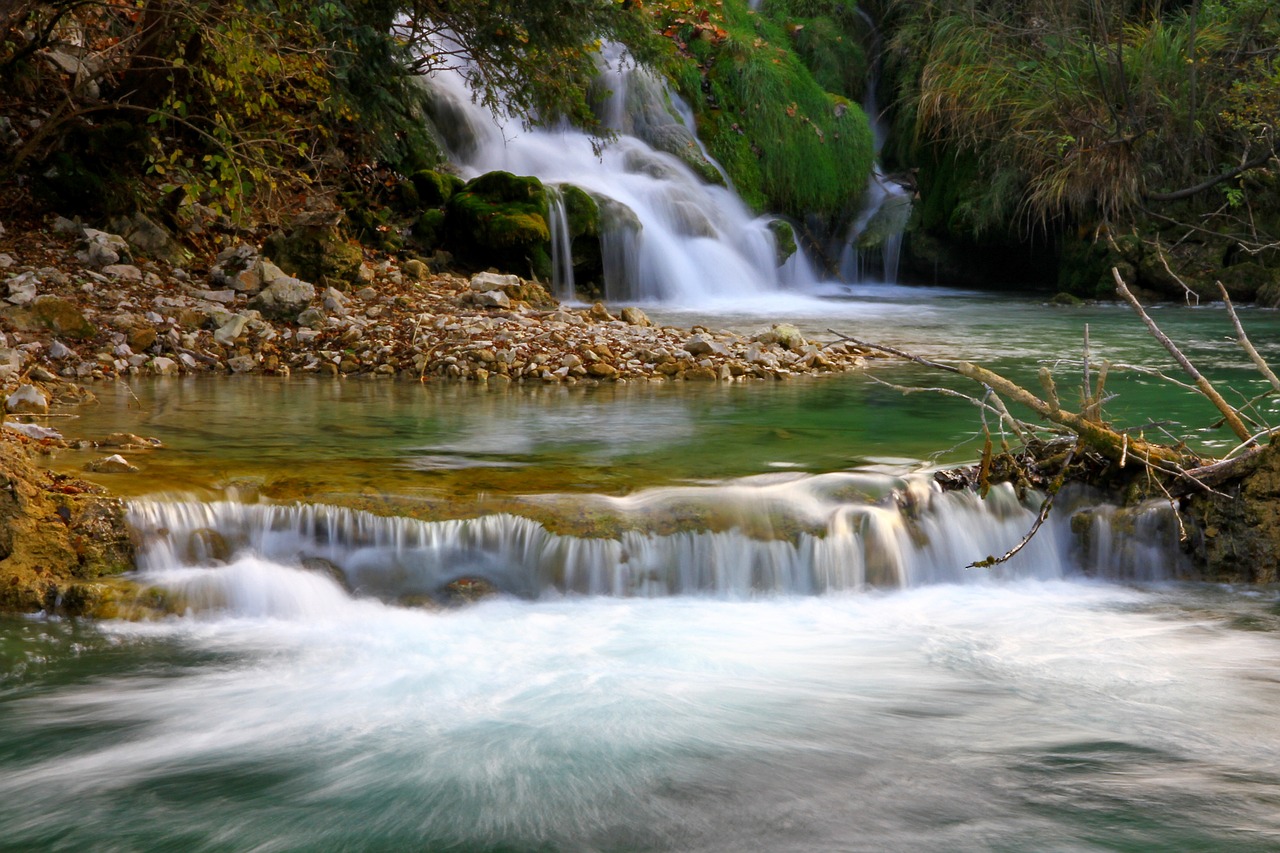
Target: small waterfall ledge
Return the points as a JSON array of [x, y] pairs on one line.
[[810, 535]]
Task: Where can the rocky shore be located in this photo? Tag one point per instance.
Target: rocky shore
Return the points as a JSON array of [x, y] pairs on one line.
[[79, 304]]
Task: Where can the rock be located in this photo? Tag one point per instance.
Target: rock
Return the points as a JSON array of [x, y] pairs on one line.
[[416, 270], [242, 364], [27, 400], [599, 313], [316, 249], [483, 282], [148, 238], [222, 297], [230, 263], [127, 272], [491, 299], [6, 260], [129, 441], [114, 464], [100, 249], [141, 338], [635, 316], [58, 351], [39, 374], [163, 366], [231, 329], [60, 317], [33, 430], [602, 369], [313, 318], [785, 335], [22, 288], [704, 345], [284, 299]]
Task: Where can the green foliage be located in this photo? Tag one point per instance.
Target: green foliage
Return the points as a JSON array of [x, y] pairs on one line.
[[1081, 114], [788, 144]]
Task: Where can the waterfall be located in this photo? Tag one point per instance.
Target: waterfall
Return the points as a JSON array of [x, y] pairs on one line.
[[561, 248], [872, 248], [669, 234], [806, 535]]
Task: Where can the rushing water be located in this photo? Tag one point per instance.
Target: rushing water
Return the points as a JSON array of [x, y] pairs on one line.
[[734, 618]]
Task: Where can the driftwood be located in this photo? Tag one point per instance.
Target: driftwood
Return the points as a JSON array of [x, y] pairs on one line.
[[1172, 469]]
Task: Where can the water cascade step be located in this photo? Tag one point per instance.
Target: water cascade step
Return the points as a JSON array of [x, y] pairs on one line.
[[806, 535]]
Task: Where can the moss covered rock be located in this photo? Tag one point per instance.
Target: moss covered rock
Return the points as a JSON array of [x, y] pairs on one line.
[[500, 219], [315, 251], [58, 537]]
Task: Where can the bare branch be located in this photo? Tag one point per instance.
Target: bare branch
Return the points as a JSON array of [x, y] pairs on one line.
[[1246, 344], [1202, 384]]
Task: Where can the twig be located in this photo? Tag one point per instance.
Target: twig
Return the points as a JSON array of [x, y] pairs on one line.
[[1205, 388], [1045, 506], [1246, 344]]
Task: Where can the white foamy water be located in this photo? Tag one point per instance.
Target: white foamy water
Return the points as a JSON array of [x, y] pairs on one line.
[[682, 241], [1027, 716]]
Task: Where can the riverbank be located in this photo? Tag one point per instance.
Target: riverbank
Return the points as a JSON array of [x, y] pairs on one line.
[[83, 305]]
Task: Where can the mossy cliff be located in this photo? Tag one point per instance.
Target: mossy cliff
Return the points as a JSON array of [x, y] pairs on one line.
[[775, 96]]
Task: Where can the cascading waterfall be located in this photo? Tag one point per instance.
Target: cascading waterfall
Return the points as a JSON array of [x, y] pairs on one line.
[[561, 247], [873, 248], [668, 235], [808, 535]]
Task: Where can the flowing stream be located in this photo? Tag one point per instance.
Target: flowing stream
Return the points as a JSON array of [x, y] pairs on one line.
[[730, 618]]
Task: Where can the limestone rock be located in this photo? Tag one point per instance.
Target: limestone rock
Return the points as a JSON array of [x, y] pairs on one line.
[[483, 282], [27, 399], [100, 249], [148, 238], [785, 335], [491, 299], [22, 288], [284, 298], [128, 272], [114, 464], [635, 316], [164, 366], [231, 329], [60, 317]]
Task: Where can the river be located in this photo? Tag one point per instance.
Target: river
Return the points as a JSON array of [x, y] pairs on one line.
[[734, 617]]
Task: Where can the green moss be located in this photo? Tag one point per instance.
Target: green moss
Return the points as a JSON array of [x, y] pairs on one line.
[[784, 234], [581, 211], [500, 219], [435, 188], [788, 144]]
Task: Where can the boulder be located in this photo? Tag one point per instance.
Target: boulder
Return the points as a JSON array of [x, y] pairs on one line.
[[785, 335], [100, 249], [231, 329], [27, 400], [114, 464], [149, 239], [284, 298], [635, 316], [60, 317], [491, 299], [482, 282], [22, 288]]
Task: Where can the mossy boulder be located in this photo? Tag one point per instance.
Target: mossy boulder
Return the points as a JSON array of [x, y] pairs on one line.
[[500, 220], [316, 252], [435, 188], [784, 238], [50, 313]]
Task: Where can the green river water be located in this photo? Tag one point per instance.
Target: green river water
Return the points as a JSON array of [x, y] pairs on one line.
[[1034, 710]]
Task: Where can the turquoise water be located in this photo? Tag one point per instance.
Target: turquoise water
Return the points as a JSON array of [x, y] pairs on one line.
[[1033, 710]]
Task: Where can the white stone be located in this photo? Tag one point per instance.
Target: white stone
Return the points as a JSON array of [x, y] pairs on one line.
[[483, 282], [231, 329], [164, 366], [27, 399], [22, 288]]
